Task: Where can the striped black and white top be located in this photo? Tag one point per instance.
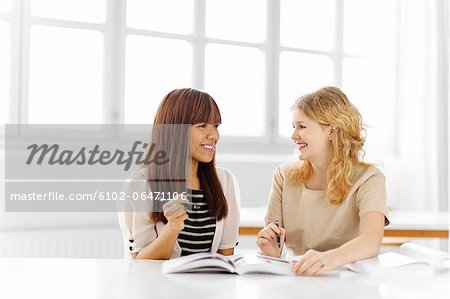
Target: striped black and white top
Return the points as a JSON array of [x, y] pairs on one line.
[[198, 232]]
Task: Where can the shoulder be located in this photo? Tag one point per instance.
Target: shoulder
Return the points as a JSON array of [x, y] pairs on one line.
[[139, 173], [287, 166], [138, 179], [229, 183], [369, 177], [367, 172], [222, 171], [225, 176], [283, 170], [232, 193]]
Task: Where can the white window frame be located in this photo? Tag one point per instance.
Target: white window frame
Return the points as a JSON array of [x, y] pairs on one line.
[[115, 32]]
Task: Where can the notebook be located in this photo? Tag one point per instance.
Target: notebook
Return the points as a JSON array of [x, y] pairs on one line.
[[411, 257]]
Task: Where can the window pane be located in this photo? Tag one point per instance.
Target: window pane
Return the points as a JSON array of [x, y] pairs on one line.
[[4, 72], [5, 5], [308, 24], [235, 78], [81, 10], [154, 66], [300, 74], [243, 20], [365, 33], [370, 85], [65, 76], [161, 15]]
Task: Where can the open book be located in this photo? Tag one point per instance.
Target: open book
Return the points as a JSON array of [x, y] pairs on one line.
[[411, 257], [239, 264]]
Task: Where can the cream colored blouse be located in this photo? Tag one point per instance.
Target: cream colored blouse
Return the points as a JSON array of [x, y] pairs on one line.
[[311, 221], [138, 230]]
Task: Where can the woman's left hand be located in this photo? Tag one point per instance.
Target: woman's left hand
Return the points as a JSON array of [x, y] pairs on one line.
[[314, 263]]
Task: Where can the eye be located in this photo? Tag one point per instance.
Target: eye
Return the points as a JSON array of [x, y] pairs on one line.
[[217, 126], [202, 125], [299, 126]]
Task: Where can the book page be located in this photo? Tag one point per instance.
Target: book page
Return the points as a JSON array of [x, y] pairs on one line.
[[201, 262], [430, 256], [254, 263], [387, 262], [294, 258]]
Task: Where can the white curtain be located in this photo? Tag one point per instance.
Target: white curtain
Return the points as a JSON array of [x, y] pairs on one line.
[[414, 171]]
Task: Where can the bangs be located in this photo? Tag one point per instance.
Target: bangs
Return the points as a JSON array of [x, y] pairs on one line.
[[206, 111], [311, 106]]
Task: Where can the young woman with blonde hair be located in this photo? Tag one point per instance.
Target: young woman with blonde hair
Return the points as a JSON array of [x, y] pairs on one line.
[[330, 206]]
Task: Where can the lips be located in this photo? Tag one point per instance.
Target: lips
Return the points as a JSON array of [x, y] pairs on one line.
[[301, 145], [209, 147]]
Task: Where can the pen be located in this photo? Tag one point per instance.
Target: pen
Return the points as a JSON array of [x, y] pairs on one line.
[[277, 234]]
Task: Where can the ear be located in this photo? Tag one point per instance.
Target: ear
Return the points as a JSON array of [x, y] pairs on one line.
[[331, 132]]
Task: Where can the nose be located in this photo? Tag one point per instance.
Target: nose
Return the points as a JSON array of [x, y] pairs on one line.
[[295, 135], [213, 133]]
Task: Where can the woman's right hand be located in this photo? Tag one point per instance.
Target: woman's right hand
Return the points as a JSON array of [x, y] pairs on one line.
[[267, 241], [175, 213]]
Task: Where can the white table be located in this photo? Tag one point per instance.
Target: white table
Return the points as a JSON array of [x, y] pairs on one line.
[[403, 223], [107, 278]]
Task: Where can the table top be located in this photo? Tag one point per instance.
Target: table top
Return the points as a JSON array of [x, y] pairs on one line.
[[400, 220], [108, 278]]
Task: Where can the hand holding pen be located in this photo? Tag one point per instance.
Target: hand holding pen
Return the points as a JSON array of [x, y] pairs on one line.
[[271, 239], [277, 235]]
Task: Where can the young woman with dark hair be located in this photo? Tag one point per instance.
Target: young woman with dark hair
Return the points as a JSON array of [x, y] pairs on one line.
[[208, 219]]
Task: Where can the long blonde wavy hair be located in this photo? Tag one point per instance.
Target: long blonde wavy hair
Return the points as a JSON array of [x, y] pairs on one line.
[[330, 106]]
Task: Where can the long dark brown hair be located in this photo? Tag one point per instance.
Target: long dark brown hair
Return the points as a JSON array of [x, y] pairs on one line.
[[184, 106]]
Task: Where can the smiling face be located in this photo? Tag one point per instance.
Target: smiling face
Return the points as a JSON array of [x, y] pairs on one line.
[[204, 138], [312, 139]]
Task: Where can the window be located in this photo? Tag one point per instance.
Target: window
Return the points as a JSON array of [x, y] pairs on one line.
[[100, 61], [5, 6], [161, 16], [80, 10], [113, 61], [154, 66], [369, 66], [306, 63], [298, 18], [227, 61], [234, 75], [5, 58], [236, 15], [300, 73], [348, 47], [52, 61], [159, 54], [73, 96], [5, 37]]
